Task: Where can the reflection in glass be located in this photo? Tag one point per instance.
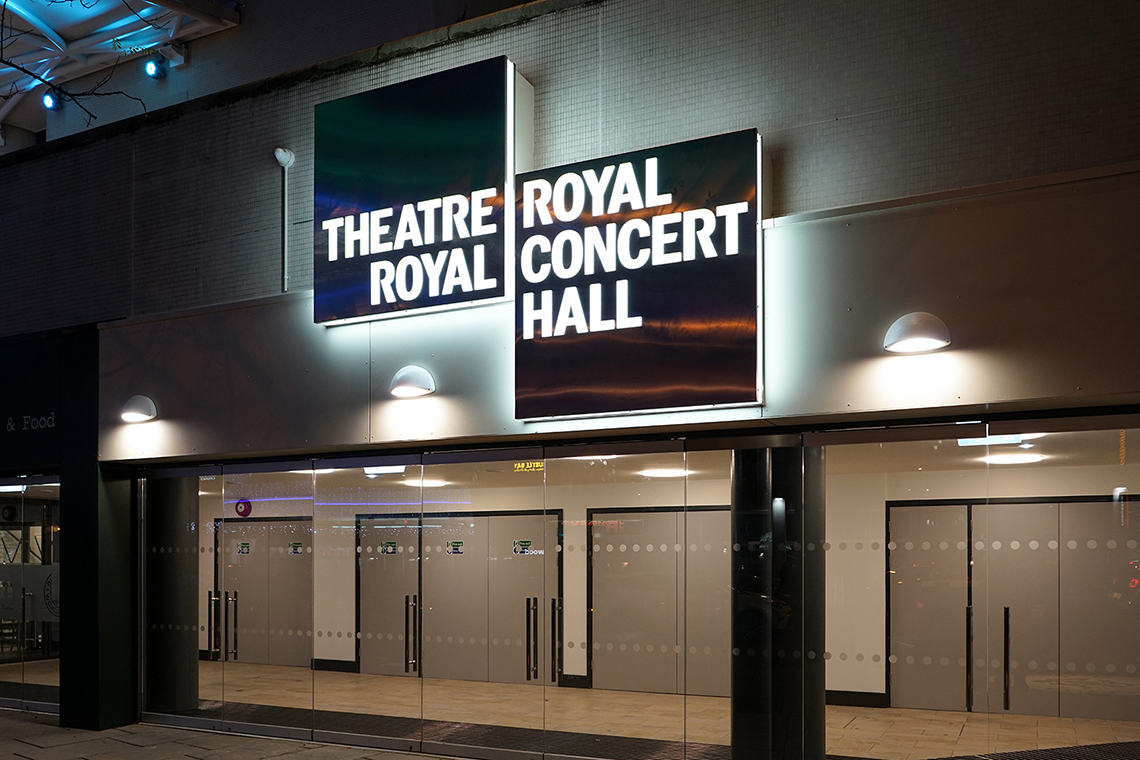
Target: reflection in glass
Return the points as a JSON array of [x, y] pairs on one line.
[[29, 592]]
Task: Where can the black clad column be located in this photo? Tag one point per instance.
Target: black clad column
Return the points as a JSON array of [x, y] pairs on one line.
[[778, 604], [97, 667]]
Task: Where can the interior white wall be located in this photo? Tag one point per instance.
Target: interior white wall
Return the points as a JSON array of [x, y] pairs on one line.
[[856, 610]]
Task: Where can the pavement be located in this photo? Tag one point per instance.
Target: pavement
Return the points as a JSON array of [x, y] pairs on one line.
[[34, 736]]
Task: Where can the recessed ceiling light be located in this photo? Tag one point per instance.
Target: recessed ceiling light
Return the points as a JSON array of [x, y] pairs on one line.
[[1013, 458], [426, 483]]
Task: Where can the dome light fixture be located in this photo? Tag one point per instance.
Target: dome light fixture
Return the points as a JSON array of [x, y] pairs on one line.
[[916, 333], [412, 381], [139, 409]]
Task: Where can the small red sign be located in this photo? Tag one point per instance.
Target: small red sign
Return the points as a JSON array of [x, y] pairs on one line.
[[243, 508]]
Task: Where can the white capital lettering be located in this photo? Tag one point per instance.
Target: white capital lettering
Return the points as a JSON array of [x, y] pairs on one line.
[[383, 274], [597, 186], [625, 190], [652, 197], [408, 228], [571, 314], [374, 243], [692, 234], [536, 198], [455, 217], [597, 324], [457, 273], [331, 226], [481, 209], [627, 259], [731, 213], [481, 281], [562, 268], [661, 238], [409, 289], [433, 265], [605, 250], [545, 314], [427, 208], [526, 260], [355, 239], [624, 320]]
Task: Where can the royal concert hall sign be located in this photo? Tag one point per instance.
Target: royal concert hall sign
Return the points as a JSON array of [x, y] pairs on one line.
[[635, 278]]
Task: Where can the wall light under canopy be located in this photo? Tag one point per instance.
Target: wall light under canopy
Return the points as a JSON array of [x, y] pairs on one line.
[[916, 333], [412, 381], [139, 409]]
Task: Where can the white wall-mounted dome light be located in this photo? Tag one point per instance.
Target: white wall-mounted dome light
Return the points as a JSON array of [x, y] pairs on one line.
[[412, 381], [916, 333], [139, 409]]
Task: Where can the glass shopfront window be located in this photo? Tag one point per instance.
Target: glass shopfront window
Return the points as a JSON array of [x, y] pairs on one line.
[[1008, 613], [981, 595], [29, 593]]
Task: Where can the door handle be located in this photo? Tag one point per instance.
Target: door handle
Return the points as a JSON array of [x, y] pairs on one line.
[[535, 637], [226, 625], [529, 650], [1005, 660], [211, 629], [969, 658], [554, 639], [416, 652], [24, 617], [411, 638]]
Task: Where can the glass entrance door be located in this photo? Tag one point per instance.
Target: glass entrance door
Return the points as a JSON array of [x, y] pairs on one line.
[[263, 614], [29, 594], [490, 591], [367, 604]]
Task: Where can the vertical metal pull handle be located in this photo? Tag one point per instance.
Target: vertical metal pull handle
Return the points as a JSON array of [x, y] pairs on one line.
[[1005, 659], [407, 633], [210, 624], [969, 658], [235, 624], [535, 627], [226, 626], [23, 617], [553, 640], [529, 651], [417, 653]]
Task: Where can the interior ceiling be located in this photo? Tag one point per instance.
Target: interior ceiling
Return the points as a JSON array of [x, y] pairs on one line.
[[1092, 448], [1098, 447], [61, 40]]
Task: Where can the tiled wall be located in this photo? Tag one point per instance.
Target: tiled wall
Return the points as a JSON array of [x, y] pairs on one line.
[[857, 103]]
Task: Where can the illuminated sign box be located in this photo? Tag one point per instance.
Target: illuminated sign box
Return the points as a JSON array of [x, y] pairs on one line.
[[409, 190], [637, 281]]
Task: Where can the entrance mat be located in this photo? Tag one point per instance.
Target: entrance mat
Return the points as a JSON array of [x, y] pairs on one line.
[[467, 734], [1117, 751]]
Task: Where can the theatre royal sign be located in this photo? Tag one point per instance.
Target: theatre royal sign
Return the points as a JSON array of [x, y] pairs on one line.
[[635, 278]]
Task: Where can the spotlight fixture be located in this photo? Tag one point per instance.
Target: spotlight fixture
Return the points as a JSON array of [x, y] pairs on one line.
[[155, 68], [412, 381], [139, 409], [52, 100], [916, 333]]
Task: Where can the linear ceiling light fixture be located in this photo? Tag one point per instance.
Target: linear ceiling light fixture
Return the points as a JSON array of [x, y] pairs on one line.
[[139, 409], [916, 333], [412, 381]]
